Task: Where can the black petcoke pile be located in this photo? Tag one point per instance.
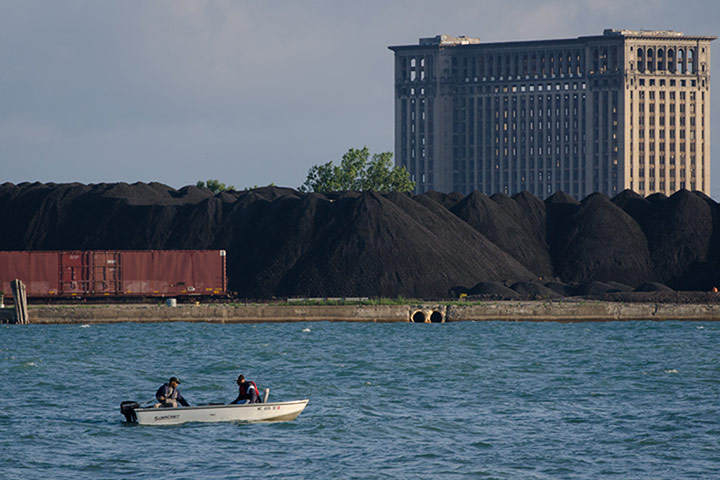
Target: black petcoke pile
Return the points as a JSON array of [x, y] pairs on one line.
[[282, 243]]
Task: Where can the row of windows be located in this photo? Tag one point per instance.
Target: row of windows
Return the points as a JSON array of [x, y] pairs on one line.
[[661, 134], [672, 95], [420, 92], [662, 108], [672, 172], [516, 65], [530, 64], [544, 64], [651, 157], [661, 186], [515, 104], [513, 186], [667, 59], [671, 150], [651, 82]]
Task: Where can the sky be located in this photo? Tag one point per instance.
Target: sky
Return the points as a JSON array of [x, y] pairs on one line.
[[248, 92]]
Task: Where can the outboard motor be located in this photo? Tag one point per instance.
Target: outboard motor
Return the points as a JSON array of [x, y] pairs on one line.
[[128, 409]]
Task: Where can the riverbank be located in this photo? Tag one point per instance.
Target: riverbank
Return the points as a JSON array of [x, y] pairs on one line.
[[540, 311]]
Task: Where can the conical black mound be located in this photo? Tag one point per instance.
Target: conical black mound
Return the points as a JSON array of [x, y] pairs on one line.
[[601, 242]]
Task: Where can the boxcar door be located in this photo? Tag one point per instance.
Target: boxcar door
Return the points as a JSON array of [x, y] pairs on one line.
[[74, 273], [105, 273]]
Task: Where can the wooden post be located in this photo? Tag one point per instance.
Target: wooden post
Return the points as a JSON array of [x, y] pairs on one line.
[[20, 297]]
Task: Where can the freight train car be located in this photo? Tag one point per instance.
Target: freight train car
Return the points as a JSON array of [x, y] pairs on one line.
[[116, 273]]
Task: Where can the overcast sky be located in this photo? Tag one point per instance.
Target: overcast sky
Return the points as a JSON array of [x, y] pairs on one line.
[[247, 92]]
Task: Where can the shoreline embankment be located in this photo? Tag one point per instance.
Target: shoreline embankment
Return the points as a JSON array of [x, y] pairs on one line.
[[537, 311]]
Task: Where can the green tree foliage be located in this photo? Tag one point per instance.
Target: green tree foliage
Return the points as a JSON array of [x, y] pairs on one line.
[[214, 186], [357, 171]]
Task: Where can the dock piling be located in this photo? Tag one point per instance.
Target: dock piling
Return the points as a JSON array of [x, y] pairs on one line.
[[20, 299]]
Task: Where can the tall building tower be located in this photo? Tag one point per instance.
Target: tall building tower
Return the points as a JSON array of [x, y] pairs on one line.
[[626, 109]]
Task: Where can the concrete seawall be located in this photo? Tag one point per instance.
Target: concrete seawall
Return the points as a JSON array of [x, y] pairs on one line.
[[216, 313], [578, 311], [550, 311]]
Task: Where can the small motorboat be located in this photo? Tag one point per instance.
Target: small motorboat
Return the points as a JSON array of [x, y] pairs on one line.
[[214, 412]]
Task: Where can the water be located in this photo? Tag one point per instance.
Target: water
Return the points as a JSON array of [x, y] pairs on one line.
[[402, 401]]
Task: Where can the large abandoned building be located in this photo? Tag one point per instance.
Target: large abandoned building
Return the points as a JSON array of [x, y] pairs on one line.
[[625, 109]]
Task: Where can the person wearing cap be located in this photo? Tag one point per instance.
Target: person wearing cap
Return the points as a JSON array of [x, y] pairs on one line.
[[168, 395], [248, 391]]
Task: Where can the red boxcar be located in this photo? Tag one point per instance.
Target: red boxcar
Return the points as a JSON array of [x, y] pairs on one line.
[[116, 273]]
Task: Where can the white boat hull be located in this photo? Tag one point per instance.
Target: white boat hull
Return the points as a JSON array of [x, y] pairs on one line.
[[250, 413]]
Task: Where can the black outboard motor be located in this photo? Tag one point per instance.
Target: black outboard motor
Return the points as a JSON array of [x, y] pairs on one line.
[[128, 409]]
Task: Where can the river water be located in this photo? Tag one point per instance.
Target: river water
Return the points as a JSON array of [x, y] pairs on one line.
[[403, 401]]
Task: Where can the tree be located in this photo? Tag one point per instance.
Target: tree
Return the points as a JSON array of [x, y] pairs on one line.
[[357, 171], [214, 186]]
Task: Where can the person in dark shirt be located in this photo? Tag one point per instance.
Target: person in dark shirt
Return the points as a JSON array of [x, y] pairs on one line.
[[168, 395], [248, 391]]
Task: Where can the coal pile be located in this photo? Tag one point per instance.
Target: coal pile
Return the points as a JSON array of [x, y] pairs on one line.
[[492, 291], [447, 200], [359, 245], [517, 227], [683, 235], [562, 289], [653, 287], [534, 291], [283, 243], [599, 241], [594, 288], [633, 204]]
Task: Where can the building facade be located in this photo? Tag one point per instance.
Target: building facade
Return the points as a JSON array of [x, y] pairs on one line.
[[625, 109]]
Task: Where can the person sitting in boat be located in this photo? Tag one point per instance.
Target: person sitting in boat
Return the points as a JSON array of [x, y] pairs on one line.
[[168, 395], [248, 391]]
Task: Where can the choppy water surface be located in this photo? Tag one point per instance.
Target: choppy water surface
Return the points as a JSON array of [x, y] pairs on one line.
[[464, 400]]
